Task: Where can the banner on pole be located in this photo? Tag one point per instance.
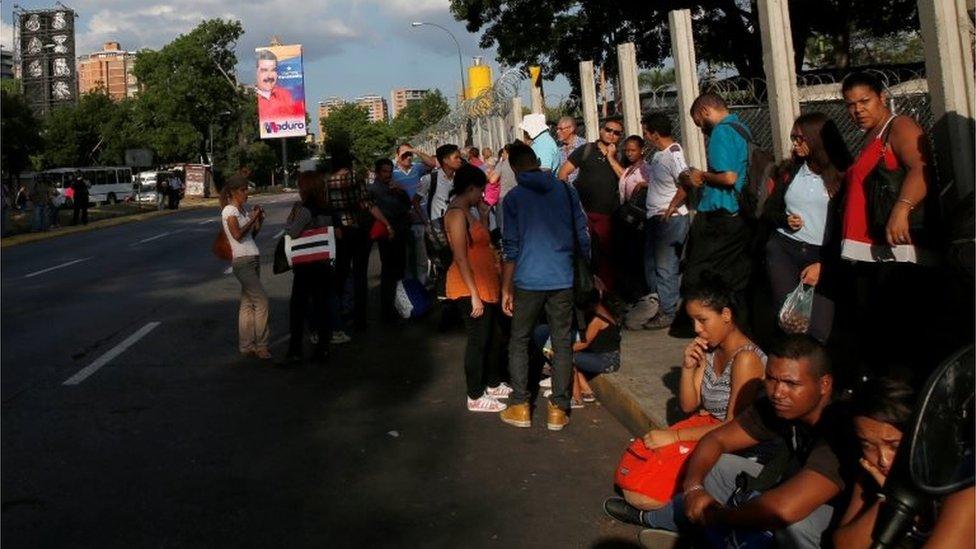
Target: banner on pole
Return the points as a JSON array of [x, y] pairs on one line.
[[280, 86]]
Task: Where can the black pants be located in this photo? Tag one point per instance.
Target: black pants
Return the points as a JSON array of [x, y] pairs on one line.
[[559, 313], [480, 370], [785, 260], [313, 283], [80, 207], [719, 242], [352, 259], [393, 256], [629, 250]]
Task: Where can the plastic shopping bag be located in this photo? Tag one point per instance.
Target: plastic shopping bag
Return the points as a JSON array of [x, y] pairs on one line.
[[794, 317]]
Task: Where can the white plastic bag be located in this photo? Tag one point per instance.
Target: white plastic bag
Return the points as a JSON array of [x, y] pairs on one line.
[[794, 316]]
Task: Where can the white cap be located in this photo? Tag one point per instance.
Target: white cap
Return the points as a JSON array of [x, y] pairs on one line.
[[534, 124]]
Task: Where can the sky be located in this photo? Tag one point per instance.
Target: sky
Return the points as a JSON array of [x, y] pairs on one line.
[[351, 47]]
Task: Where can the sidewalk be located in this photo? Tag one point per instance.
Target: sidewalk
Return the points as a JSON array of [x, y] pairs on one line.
[[643, 393]]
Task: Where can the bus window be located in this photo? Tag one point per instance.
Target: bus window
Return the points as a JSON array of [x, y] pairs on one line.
[[125, 176]]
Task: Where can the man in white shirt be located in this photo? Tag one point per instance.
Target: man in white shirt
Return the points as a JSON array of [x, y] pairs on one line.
[[435, 187], [667, 219]]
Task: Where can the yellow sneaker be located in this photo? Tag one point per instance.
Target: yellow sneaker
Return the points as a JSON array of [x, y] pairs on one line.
[[518, 415], [557, 418]]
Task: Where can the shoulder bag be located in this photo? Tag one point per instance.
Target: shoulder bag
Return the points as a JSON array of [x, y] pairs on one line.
[[882, 187]]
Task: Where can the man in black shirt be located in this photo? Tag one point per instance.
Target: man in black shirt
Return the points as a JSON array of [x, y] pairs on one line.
[[599, 193], [79, 199], [790, 498]]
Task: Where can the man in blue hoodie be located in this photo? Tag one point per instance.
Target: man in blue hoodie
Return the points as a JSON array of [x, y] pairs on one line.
[[541, 214]]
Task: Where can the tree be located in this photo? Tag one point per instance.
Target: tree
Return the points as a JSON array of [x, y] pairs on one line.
[[184, 92], [654, 79], [20, 132], [349, 127], [92, 132], [413, 118], [559, 33]]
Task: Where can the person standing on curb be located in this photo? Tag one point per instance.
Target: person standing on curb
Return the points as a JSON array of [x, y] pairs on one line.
[[539, 245], [79, 201]]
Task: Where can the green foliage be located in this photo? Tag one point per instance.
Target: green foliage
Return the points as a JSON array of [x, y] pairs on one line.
[[655, 78], [19, 131], [348, 127], [897, 48], [95, 131], [559, 33], [412, 119]]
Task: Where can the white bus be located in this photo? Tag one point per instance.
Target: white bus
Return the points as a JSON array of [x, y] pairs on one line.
[[109, 184]]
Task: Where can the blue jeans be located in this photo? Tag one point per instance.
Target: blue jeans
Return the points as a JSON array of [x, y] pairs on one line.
[[40, 218], [584, 361], [663, 240], [720, 484]]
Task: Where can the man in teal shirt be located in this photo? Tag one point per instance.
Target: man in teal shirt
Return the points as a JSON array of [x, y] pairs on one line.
[[719, 239]]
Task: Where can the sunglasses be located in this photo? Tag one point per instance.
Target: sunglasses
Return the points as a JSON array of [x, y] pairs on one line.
[[618, 133]]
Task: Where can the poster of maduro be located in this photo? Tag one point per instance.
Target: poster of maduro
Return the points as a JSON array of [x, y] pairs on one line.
[[280, 87]]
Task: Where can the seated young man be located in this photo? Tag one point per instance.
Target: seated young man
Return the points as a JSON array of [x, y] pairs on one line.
[[791, 498]]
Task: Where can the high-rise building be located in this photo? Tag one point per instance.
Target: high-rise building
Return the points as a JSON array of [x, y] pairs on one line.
[[375, 105], [6, 63], [109, 70], [45, 40], [325, 108], [402, 97]]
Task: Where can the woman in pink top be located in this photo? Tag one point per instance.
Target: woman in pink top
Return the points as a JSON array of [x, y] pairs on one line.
[[628, 241]]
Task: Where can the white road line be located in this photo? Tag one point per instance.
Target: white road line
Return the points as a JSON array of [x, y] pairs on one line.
[[112, 353], [56, 267], [205, 221], [278, 234], [229, 270], [151, 238]]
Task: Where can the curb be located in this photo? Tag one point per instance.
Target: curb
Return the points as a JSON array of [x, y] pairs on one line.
[[613, 393], [26, 238]]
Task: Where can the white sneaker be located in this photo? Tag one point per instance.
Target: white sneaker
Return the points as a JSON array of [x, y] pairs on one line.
[[485, 403], [339, 337], [547, 393], [501, 391], [546, 383]]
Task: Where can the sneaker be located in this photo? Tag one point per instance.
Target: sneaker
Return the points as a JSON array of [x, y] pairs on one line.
[[557, 418], [518, 415], [546, 383], [659, 322], [645, 309], [339, 337], [618, 509], [547, 393], [485, 403], [656, 538], [575, 404], [588, 397], [501, 391]]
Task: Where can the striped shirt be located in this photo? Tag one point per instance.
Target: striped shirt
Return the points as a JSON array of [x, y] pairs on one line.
[[717, 389], [349, 199]]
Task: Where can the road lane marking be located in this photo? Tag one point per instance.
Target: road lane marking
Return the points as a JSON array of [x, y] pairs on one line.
[[205, 221], [112, 353], [278, 234], [42, 271], [151, 238]]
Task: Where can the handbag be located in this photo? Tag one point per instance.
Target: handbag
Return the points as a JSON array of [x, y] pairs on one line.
[[312, 246], [221, 246], [379, 231], [633, 212], [882, 187], [281, 263], [582, 274]]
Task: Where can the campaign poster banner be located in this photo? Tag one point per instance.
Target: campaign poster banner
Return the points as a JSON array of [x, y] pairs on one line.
[[280, 86]]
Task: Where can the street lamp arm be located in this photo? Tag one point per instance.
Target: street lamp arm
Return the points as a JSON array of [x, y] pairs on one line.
[[464, 87]]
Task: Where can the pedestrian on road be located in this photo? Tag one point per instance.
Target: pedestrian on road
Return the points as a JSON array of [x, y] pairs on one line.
[[411, 165], [540, 215], [473, 283], [311, 281], [162, 190], [175, 191], [543, 145], [40, 197], [393, 200], [79, 199], [569, 141], [242, 224]]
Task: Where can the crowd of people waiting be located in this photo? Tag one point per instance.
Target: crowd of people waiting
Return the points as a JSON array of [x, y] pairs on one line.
[[776, 409]]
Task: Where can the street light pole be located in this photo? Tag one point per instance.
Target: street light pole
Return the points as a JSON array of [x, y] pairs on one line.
[[464, 87]]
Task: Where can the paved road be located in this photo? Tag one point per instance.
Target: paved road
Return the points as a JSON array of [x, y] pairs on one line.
[[178, 442]]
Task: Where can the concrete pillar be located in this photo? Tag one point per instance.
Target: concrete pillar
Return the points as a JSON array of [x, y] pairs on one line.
[[591, 119], [777, 45], [516, 118], [478, 138], [949, 71], [492, 139], [501, 133], [686, 80], [628, 90]]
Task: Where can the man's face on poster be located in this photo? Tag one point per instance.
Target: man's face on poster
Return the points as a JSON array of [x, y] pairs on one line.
[[267, 74]]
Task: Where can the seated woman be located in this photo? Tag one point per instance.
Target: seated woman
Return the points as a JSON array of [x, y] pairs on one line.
[[596, 353], [881, 410], [721, 376]]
